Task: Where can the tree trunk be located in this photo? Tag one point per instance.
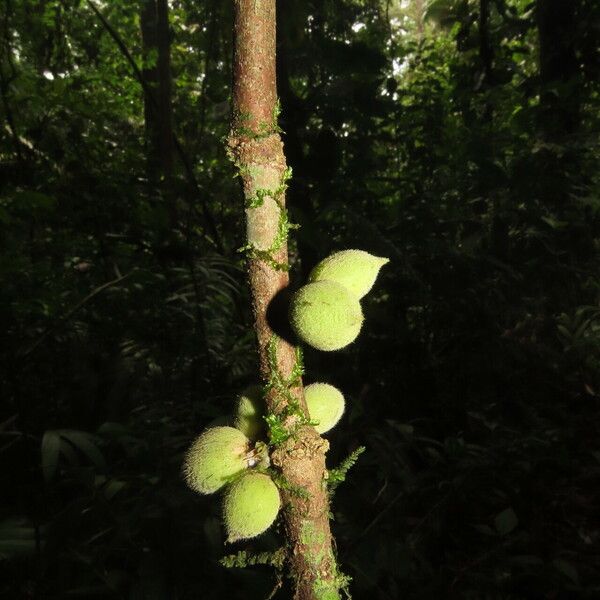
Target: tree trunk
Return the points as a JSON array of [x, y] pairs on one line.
[[561, 94], [165, 109], [559, 67], [295, 117], [486, 50], [150, 73], [257, 150], [154, 22], [419, 12]]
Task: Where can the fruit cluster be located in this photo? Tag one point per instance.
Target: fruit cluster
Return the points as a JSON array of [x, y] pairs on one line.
[[325, 314]]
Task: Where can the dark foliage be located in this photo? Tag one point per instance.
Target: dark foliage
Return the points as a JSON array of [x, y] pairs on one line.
[[457, 137]]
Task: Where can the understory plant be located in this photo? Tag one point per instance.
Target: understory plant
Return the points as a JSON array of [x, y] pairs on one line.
[[285, 466]]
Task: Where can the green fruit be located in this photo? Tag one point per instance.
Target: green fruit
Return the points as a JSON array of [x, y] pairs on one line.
[[356, 270], [251, 505], [216, 456], [325, 315], [325, 405], [249, 412], [220, 421]]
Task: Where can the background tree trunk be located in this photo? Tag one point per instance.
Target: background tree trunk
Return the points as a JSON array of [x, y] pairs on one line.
[[294, 118], [158, 113], [148, 27], [419, 11], [560, 96], [559, 66], [486, 51], [257, 150], [165, 112]]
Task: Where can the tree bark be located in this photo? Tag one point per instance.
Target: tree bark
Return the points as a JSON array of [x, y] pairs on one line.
[[419, 11], [165, 110], [559, 67], [561, 94], [486, 50], [257, 150], [295, 116], [149, 31], [158, 113]]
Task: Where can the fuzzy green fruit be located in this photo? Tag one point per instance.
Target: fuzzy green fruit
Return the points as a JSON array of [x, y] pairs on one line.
[[356, 270], [325, 315], [249, 412], [215, 457], [220, 421], [325, 405], [251, 505]]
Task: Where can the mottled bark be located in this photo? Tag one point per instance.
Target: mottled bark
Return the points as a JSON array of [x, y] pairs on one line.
[[257, 149]]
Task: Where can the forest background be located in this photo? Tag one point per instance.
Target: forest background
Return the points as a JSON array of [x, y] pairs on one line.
[[459, 138]]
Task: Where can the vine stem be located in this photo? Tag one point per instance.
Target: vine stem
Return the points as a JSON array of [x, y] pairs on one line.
[[256, 148]]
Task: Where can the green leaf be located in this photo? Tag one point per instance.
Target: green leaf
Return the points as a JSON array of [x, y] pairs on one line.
[[32, 201], [69, 453], [338, 475], [564, 331], [50, 451], [527, 560], [567, 569], [4, 216], [245, 559], [404, 428], [485, 529], [112, 488], [17, 537], [12, 547], [86, 443], [111, 429], [506, 521], [554, 223]]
